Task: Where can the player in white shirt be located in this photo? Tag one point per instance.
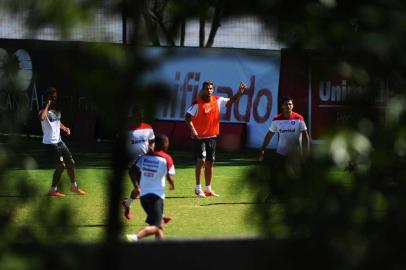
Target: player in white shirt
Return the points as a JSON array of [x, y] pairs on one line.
[[291, 129], [155, 168], [58, 151], [140, 139], [292, 132]]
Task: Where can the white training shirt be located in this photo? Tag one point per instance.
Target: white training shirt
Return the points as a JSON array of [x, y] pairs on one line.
[[221, 102], [138, 140], [51, 127], [290, 132], [154, 168]]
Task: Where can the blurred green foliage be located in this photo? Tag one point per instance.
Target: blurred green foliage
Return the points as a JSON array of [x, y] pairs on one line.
[[349, 217], [343, 219]]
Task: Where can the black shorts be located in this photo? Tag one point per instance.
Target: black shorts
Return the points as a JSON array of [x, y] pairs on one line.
[[154, 207], [205, 148], [274, 160], [58, 153]]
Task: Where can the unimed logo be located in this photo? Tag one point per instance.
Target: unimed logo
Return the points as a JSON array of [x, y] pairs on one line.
[[341, 91]]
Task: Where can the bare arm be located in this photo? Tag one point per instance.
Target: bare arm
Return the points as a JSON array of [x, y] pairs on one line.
[[267, 139], [66, 129], [306, 141], [188, 119], [237, 96], [171, 181]]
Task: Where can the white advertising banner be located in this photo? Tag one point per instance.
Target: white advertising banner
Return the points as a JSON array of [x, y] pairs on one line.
[[185, 69]]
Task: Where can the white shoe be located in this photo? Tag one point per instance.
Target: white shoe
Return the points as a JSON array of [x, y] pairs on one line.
[[131, 237], [200, 193]]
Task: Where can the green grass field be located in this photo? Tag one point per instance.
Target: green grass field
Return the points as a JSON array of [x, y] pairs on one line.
[[83, 218]]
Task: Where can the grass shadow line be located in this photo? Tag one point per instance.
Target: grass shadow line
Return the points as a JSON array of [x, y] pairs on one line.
[[180, 197], [230, 203]]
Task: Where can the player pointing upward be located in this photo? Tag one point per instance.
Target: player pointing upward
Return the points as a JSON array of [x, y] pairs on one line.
[[203, 119]]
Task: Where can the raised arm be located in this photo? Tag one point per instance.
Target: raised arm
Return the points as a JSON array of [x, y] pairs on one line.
[[237, 96], [44, 112]]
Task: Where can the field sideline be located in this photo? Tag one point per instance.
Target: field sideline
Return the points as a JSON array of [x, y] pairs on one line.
[[83, 218]]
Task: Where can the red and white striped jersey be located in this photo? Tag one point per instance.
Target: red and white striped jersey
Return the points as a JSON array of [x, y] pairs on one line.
[[289, 131]]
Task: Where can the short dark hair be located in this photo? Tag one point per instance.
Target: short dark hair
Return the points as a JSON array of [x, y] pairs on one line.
[[286, 98], [50, 91], [205, 83], [136, 110], [159, 141]]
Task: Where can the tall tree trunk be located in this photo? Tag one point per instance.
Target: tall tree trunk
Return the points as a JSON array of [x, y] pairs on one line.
[[151, 28], [158, 19], [218, 12], [182, 32], [124, 93], [202, 22], [124, 22]]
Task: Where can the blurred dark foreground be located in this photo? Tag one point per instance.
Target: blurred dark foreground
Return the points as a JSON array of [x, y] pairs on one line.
[[201, 254]]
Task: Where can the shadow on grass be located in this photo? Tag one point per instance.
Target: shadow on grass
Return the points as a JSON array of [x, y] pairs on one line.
[[88, 225], [230, 203], [184, 160], [92, 154], [16, 196], [86, 154], [180, 197]]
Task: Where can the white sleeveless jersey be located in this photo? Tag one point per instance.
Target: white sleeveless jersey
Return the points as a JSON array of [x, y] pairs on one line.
[[154, 167], [138, 140], [290, 133], [51, 127]]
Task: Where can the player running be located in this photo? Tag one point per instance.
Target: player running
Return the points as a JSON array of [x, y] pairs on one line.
[[140, 136], [155, 168], [140, 139]]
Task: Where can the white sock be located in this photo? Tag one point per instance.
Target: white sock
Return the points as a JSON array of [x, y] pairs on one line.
[[74, 184], [53, 189], [208, 188], [198, 187], [128, 202]]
